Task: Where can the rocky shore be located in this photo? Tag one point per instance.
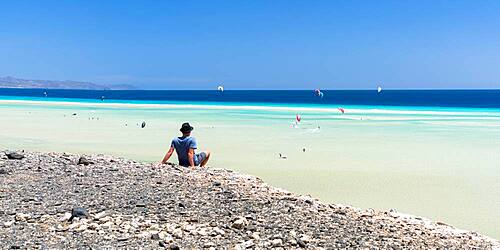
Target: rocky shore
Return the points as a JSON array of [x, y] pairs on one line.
[[58, 200]]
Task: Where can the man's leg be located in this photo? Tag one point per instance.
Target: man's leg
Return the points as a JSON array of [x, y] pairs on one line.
[[206, 159]]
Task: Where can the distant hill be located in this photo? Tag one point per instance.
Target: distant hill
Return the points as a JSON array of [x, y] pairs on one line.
[[11, 82]]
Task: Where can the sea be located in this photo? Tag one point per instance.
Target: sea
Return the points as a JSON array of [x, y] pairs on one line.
[[414, 98], [430, 153]]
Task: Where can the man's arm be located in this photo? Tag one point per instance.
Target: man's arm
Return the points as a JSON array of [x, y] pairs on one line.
[[191, 157], [167, 156]]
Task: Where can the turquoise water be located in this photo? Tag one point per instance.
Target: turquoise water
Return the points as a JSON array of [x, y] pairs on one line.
[[440, 163]]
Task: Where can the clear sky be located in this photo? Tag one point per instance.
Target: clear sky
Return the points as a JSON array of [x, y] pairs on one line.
[[252, 44]]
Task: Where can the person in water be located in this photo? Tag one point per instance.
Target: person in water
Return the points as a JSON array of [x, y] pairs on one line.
[[184, 147]]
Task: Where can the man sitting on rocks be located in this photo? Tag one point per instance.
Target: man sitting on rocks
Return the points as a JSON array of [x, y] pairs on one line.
[[185, 146]]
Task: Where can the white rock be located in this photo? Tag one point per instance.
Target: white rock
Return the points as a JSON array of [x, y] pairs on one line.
[[74, 225], [189, 227], [100, 215], [168, 238], [104, 219], [8, 223], [256, 236], [209, 244], [202, 231], [277, 242], [239, 247], [22, 217], [305, 238], [45, 217], [219, 231], [144, 235], [154, 227], [107, 225], [82, 228], [170, 228], [240, 223], [163, 235], [177, 233], [248, 244]]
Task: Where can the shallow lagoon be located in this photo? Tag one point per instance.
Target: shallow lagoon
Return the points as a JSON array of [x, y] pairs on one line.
[[433, 162]]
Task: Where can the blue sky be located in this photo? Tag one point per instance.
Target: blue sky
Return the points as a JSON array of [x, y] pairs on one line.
[[254, 44]]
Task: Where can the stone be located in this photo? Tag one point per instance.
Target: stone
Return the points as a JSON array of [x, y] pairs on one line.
[[65, 217], [209, 244], [107, 225], [240, 223], [41, 187], [84, 161], [305, 238], [8, 223], [22, 217], [174, 247], [301, 243], [277, 243], [177, 233], [248, 244], [123, 238], [14, 156], [100, 215], [155, 236], [189, 227], [161, 234], [162, 244], [202, 231], [255, 236], [78, 212], [219, 231], [81, 228]]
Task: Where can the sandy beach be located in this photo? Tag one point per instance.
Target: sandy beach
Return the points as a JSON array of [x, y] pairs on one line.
[[60, 200]]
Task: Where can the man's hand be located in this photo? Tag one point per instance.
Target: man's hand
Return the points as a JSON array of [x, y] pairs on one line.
[[165, 159]]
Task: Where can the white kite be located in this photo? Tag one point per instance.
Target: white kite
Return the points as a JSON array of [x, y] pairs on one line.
[[220, 88], [379, 89]]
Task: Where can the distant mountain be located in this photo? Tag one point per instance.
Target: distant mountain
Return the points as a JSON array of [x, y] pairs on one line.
[[11, 82]]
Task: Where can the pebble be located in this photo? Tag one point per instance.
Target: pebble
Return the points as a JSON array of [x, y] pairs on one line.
[[8, 223], [22, 217], [240, 223], [177, 233], [192, 209], [65, 217], [78, 212], [14, 156], [277, 243], [84, 161], [174, 247], [209, 244]]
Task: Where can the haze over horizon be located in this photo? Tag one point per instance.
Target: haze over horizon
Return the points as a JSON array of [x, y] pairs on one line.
[[255, 45]]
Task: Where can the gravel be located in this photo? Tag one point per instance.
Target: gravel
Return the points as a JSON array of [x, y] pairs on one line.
[[58, 200]]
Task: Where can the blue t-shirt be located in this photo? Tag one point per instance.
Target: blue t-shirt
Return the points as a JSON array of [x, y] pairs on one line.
[[182, 146]]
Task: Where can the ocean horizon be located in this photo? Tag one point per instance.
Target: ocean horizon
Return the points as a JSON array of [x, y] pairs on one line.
[[471, 98]]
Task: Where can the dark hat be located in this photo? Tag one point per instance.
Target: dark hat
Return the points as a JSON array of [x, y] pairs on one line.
[[186, 128]]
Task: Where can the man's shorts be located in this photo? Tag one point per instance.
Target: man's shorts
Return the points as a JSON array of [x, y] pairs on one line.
[[201, 157]]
